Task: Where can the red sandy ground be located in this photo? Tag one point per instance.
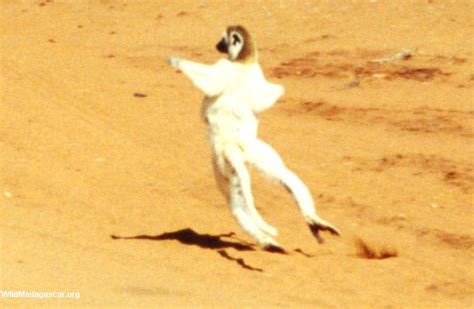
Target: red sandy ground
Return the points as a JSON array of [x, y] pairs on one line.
[[101, 140]]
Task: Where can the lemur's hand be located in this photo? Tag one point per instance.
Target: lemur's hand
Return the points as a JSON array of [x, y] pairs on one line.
[[174, 62]]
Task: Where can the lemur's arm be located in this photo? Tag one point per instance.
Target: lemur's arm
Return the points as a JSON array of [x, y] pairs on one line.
[[210, 79], [264, 95]]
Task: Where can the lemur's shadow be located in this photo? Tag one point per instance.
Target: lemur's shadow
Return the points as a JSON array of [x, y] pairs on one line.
[[214, 242]]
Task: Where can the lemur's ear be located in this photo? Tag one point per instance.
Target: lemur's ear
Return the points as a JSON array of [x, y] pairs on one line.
[[236, 39], [240, 45]]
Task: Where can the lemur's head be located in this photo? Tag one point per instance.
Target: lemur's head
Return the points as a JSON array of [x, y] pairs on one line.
[[238, 44]]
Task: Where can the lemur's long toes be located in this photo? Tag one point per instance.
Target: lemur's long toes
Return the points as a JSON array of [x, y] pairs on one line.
[[332, 230], [316, 227], [315, 231]]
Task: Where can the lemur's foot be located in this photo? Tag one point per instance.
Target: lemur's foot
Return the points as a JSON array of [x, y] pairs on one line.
[[316, 225], [269, 244]]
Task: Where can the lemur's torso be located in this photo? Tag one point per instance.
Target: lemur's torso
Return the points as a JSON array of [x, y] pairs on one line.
[[231, 116]]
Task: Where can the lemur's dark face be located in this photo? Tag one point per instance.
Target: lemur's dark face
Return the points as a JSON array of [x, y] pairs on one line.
[[222, 46]]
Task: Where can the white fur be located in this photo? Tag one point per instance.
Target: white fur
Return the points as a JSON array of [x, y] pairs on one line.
[[234, 47], [234, 94]]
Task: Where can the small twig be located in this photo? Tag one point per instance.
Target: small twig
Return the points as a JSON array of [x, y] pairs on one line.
[[403, 55]]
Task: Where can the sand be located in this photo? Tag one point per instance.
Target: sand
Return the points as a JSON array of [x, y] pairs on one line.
[[106, 186]]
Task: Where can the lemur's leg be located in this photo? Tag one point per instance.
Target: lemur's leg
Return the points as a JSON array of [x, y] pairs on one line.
[[245, 184], [241, 201], [267, 160], [224, 185], [222, 180]]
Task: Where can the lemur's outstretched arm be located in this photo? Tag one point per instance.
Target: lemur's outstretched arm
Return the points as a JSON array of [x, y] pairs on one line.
[[210, 79]]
